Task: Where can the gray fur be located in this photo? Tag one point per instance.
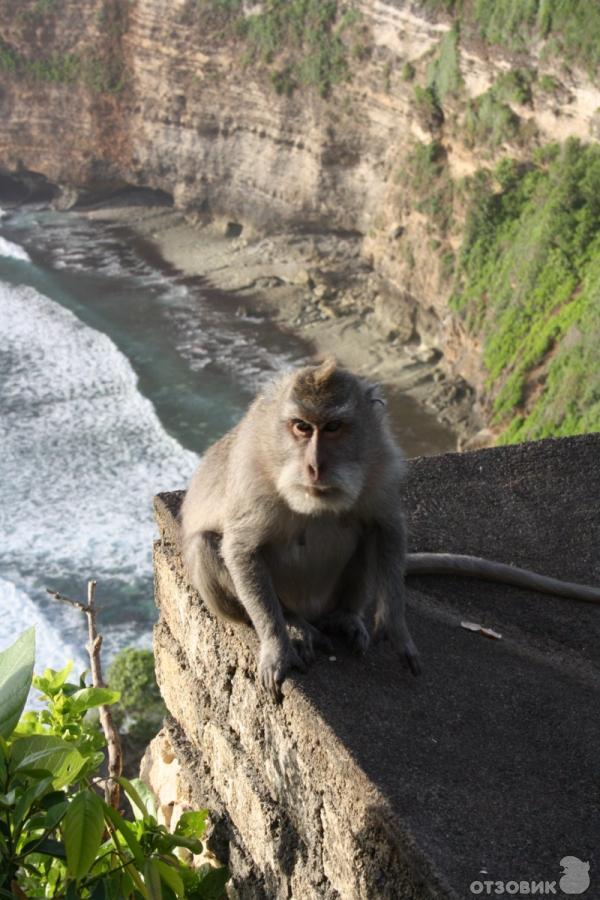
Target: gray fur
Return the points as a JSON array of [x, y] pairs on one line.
[[489, 570], [264, 541]]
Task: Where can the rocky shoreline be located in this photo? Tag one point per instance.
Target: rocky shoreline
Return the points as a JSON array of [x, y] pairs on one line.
[[316, 286]]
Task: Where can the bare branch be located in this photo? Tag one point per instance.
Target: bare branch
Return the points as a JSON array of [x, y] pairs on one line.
[[112, 789], [64, 599]]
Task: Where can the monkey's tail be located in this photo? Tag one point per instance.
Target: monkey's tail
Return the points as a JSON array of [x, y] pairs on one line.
[[490, 570]]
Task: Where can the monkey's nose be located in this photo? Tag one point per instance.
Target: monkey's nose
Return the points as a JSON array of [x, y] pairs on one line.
[[314, 472]]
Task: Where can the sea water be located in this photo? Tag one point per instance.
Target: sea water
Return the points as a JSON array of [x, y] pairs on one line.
[[115, 374]]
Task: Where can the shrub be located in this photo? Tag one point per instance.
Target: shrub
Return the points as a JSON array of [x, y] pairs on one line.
[[408, 71], [306, 41], [140, 711], [443, 73], [428, 176], [427, 107], [570, 28], [58, 837], [490, 122], [529, 276]]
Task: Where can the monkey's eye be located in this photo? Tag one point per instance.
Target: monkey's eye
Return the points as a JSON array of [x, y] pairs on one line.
[[332, 426], [301, 428]]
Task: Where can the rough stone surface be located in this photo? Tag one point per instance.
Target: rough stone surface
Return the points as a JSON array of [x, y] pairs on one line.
[[367, 783]]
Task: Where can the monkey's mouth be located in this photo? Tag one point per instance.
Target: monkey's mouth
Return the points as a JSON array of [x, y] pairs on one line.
[[319, 490]]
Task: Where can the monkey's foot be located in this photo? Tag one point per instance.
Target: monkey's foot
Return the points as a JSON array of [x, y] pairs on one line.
[[306, 639], [276, 660], [412, 657], [351, 626], [402, 642]]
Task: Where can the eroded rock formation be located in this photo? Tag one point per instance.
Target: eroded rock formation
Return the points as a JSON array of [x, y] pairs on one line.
[[155, 93]]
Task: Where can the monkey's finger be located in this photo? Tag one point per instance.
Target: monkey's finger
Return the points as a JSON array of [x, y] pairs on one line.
[[299, 660], [358, 637], [414, 662], [305, 650], [269, 682], [322, 642]]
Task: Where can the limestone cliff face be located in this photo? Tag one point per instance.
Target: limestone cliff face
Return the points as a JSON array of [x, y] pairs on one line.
[[159, 97]]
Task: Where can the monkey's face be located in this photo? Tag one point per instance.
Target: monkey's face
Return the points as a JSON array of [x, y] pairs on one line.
[[322, 470]]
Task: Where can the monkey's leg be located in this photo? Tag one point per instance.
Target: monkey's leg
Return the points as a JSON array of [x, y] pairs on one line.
[[210, 576], [254, 588], [354, 594], [389, 561], [305, 638]]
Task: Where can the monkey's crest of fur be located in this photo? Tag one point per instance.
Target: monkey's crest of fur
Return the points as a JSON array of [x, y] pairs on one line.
[[325, 384]]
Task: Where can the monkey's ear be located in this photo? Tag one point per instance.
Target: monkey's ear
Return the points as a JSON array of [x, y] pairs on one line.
[[373, 395]]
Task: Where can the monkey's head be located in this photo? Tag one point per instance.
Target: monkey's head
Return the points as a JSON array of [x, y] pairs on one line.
[[331, 428]]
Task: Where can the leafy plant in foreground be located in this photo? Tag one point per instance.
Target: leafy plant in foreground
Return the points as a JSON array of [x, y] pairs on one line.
[[58, 837]]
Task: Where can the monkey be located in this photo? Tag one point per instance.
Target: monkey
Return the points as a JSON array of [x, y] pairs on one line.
[[292, 521]]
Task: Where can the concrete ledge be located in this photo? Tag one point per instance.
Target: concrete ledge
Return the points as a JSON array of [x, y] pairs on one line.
[[367, 783]]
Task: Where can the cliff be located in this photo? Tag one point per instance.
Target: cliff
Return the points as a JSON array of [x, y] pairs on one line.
[[372, 119]]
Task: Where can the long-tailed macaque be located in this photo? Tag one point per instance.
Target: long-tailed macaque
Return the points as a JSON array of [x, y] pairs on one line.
[[293, 523]]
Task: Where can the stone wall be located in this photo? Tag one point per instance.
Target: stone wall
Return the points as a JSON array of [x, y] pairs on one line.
[[295, 813], [367, 783]]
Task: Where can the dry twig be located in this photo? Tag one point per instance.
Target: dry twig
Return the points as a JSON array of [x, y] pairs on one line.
[[115, 752]]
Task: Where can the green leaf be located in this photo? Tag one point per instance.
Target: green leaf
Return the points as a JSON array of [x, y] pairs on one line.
[[52, 680], [60, 758], [29, 796], [16, 673], [192, 824], [55, 814], [134, 796], [179, 840], [212, 881], [52, 799], [126, 831], [170, 877], [146, 801], [90, 697], [83, 827], [48, 846], [152, 879]]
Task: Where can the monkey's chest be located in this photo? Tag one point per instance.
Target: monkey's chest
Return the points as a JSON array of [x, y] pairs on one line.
[[307, 568]]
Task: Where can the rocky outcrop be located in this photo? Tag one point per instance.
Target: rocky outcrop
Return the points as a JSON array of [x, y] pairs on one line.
[[153, 93]]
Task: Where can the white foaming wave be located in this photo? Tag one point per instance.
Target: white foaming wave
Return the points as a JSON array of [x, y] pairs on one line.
[[7, 248], [18, 612], [254, 364], [83, 451]]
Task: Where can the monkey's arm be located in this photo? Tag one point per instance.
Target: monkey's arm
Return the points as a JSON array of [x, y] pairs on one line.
[[254, 588], [389, 554], [490, 570]]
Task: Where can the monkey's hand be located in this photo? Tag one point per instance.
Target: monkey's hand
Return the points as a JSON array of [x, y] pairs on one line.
[[398, 636], [305, 638], [276, 659], [350, 625]]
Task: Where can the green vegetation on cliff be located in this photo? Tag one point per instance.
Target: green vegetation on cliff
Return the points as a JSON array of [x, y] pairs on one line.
[[99, 66], [569, 28], [529, 285], [301, 42]]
